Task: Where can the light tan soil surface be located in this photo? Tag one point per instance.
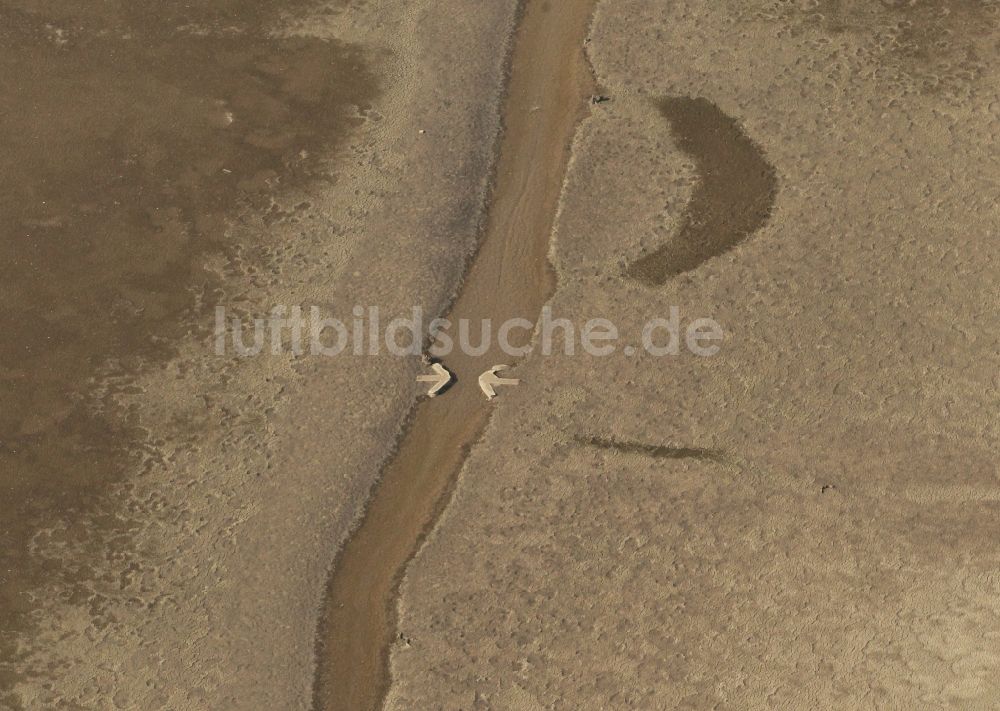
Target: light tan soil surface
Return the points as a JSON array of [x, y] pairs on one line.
[[809, 518]]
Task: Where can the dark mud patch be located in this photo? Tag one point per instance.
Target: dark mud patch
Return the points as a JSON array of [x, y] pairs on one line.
[[656, 451], [133, 134], [732, 200]]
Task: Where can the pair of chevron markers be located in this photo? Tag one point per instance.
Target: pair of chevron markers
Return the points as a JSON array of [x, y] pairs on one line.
[[442, 378]]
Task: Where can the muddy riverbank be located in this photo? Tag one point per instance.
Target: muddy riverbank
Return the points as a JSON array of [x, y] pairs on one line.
[[168, 512]]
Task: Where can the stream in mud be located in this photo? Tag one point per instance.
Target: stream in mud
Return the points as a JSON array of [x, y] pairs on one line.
[[549, 88]]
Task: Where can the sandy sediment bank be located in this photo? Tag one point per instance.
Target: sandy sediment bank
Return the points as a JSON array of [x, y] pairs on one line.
[[195, 579]]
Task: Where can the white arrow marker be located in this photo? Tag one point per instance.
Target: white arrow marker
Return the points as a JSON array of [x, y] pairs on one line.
[[488, 379], [441, 378]]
